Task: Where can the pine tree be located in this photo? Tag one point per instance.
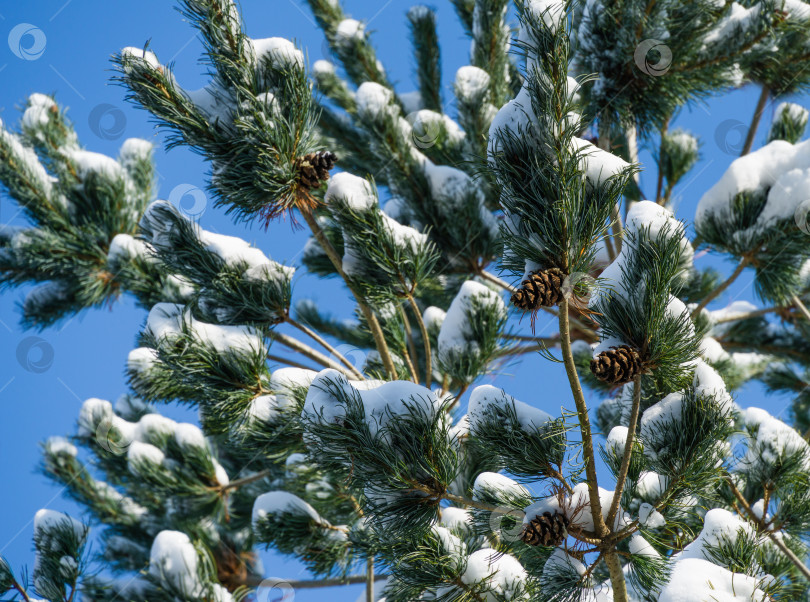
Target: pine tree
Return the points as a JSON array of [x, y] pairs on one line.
[[371, 473]]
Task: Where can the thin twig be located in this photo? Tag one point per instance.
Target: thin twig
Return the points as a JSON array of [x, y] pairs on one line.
[[253, 581], [628, 452], [771, 534], [323, 343], [425, 340], [584, 420], [660, 183], [721, 287], [257, 476], [289, 362], [496, 281], [309, 352], [370, 579], [801, 306], [752, 129], [20, 589], [411, 353], [368, 314], [747, 315]]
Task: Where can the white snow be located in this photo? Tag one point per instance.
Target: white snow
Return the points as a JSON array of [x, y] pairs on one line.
[[456, 519], [696, 580], [373, 100], [455, 335], [279, 502], [549, 12], [141, 359], [649, 517], [349, 31], [502, 573], [60, 445], [433, 317], [736, 21], [154, 428], [46, 520], [486, 398], [29, 162], [234, 250], [616, 440], [653, 218], [166, 321], [140, 53], [357, 193], [576, 507], [322, 67], [795, 113], [92, 412], [87, 162], [599, 165], [493, 484], [140, 453], [514, 117], [451, 544], [189, 436], [773, 441], [134, 149], [38, 112], [778, 166], [125, 247], [471, 82], [641, 547], [173, 559], [382, 402], [719, 525], [280, 52]]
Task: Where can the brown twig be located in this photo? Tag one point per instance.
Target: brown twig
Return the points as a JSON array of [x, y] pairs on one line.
[[722, 286], [771, 534], [323, 343], [368, 314], [628, 451]]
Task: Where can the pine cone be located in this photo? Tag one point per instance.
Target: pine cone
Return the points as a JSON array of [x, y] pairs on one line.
[[545, 530], [617, 365], [313, 168], [542, 288]]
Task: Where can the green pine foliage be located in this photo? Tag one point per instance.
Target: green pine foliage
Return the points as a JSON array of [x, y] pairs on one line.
[[344, 443]]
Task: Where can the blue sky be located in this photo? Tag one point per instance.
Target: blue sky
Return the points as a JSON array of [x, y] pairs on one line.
[[43, 380]]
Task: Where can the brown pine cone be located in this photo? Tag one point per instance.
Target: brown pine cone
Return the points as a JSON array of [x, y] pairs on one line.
[[617, 365], [545, 530], [313, 168], [542, 288]]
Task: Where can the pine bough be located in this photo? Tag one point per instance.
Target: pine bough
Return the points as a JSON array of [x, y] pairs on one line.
[[369, 473]]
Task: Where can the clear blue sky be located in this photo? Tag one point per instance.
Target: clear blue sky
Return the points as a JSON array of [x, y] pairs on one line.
[[89, 351]]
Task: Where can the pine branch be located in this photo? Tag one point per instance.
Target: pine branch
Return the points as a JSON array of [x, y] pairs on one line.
[[370, 579], [801, 306], [321, 341], [628, 451], [660, 182], [289, 362], [752, 129], [245, 480], [411, 345], [253, 581], [371, 318], [425, 340], [763, 529], [721, 287], [584, 421], [307, 351]]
